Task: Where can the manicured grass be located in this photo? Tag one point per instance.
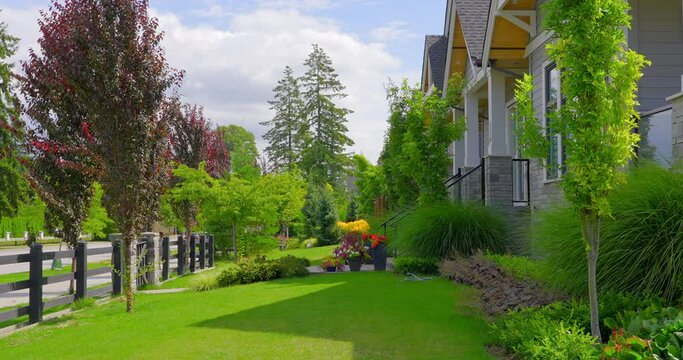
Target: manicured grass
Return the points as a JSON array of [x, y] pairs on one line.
[[340, 316], [520, 267], [8, 278], [315, 254]]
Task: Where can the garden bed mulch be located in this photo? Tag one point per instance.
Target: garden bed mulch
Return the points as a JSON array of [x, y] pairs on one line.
[[499, 291]]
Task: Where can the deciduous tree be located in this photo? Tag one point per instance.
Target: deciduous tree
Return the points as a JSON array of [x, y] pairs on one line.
[[243, 153], [599, 77]]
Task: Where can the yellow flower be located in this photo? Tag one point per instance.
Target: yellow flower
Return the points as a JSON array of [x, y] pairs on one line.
[[359, 227]]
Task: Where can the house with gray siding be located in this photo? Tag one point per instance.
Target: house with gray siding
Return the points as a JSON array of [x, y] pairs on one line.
[[491, 43]]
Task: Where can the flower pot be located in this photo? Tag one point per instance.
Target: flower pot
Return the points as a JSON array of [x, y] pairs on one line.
[[379, 257], [355, 264], [331, 269]]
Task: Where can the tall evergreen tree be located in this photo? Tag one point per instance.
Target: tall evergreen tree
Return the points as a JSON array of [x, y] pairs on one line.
[[284, 135], [324, 160]]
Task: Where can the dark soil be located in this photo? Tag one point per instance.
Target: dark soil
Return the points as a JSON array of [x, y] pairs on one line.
[[499, 291]]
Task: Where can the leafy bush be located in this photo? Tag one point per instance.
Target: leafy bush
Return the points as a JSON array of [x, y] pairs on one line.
[[250, 271], [415, 265], [320, 214], [309, 243], [439, 231], [534, 333], [293, 243], [204, 282], [253, 245], [640, 251], [520, 267]]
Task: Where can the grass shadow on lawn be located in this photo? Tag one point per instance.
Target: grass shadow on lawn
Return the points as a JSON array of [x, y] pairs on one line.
[[380, 316]]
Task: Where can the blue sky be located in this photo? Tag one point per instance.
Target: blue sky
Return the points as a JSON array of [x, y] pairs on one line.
[[233, 51]]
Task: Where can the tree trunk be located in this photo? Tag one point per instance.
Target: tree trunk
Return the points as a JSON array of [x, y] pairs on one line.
[[129, 268], [234, 239], [590, 224]]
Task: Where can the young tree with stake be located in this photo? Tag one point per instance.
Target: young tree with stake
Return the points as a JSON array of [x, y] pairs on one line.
[[599, 77]]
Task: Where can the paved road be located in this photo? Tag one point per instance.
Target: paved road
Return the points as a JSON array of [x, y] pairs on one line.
[[52, 290]]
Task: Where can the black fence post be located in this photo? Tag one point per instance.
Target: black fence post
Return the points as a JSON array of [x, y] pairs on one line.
[[165, 256], [193, 252], [35, 298], [202, 251], [117, 271], [81, 270], [212, 251], [181, 255], [150, 268]]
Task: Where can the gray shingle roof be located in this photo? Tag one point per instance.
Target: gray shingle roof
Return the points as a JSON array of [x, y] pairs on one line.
[[474, 16], [437, 48]]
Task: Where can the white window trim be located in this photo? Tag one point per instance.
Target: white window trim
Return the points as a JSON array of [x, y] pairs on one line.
[[546, 180]]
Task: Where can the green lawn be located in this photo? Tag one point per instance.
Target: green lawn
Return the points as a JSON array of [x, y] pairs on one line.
[[340, 316]]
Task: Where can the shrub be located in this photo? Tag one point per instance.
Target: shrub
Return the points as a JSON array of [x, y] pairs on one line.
[[534, 333], [204, 282], [415, 265], [519, 267], [254, 245], [640, 251], [293, 243], [250, 271], [439, 231], [309, 243]]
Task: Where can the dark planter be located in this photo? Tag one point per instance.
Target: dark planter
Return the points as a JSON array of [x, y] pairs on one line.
[[355, 264], [331, 269], [379, 257]]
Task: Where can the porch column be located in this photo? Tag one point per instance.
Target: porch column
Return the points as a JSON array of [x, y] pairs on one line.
[[472, 156], [497, 118], [458, 147], [677, 125]]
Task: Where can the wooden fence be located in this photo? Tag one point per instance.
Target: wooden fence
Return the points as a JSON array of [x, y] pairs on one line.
[[150, 270]]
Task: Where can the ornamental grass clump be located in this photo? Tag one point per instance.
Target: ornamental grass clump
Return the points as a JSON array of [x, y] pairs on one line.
[[444, 230], [641, 252]]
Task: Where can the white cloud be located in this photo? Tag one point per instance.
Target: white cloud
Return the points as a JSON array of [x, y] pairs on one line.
[[213, 11], [392, 31], [231, 71]]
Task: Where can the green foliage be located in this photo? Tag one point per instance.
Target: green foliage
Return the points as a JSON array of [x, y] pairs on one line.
[[243, 153], [324, 159], [284, 195], [371, 185], [320, 214], [81, 304], [533, 333], [520, 267], [309, 243], [421, 128], [293, 243], [352, 209], [98, 222], [640, 252], [415, 265], [192, 187], [14, 189], [286, 129], [443, 230], [204, 282], [247, 272], [250, 245], [30, 216]]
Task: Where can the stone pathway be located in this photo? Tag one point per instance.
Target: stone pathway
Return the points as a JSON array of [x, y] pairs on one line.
[[364, 268]]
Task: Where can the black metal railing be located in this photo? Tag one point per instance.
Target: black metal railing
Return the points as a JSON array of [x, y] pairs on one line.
[[464, 186]]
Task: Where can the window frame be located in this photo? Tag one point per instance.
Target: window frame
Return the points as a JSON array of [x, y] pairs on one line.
[[548, 67]]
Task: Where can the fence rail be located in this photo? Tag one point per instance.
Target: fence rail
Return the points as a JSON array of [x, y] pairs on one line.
[[149, 270]]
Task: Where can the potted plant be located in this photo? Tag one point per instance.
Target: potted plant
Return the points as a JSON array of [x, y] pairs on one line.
[[353, 251], [332, 264], [379, 252]]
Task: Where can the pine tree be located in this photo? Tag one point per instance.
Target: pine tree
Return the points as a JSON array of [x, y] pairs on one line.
[[324, 159], [285, 131]]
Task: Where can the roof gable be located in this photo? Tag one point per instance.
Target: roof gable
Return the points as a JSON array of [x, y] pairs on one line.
[[474, 15]]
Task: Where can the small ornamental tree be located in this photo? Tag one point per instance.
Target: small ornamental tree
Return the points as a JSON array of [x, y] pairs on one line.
[[118, 77], [241, 144], [599, 77], [13, 187], [193, 143], [284, 195]]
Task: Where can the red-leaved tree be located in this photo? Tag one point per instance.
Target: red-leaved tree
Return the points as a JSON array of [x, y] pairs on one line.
[[193, 141], [119, 76]]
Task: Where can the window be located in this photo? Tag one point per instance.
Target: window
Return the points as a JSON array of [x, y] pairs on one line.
[[552, 103], [655, 137]]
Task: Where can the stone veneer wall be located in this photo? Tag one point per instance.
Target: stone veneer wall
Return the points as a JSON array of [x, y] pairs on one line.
[[498, 175]]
